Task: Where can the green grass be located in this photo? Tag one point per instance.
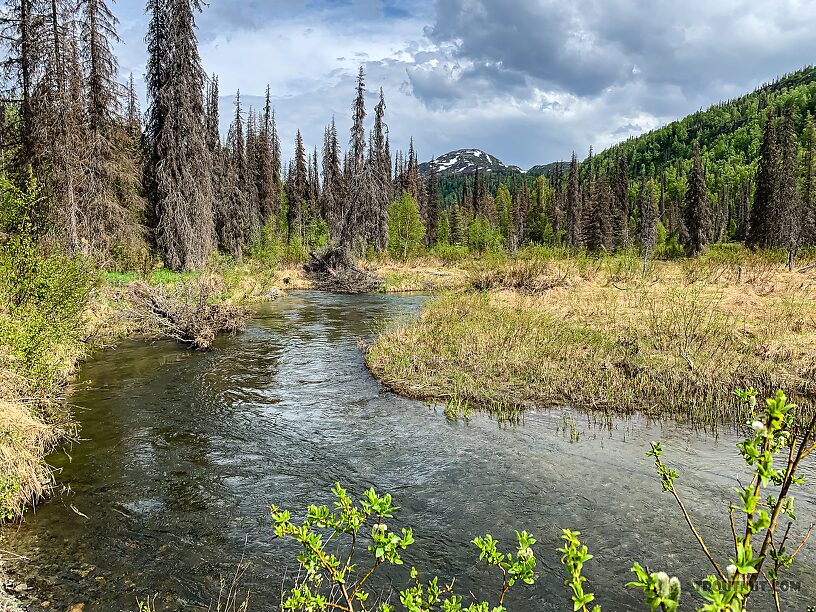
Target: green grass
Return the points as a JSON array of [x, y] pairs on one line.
[[163, 276], [159, 276], [119, 279]]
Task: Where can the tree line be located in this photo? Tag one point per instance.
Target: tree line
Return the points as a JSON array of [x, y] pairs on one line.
[[123, 187], [741, 171]]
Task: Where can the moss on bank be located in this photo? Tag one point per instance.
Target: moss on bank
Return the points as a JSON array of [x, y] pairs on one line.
[[597, 333]]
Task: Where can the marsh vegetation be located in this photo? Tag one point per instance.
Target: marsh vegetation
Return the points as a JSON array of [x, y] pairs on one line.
[[547, 328]]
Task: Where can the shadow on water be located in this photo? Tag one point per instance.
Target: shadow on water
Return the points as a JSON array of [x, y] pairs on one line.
[[183, 453]]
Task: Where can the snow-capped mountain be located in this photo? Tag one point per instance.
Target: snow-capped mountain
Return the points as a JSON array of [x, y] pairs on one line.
[[464, 163]]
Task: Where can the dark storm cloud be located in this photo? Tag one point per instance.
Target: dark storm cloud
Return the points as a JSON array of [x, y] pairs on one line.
[[545, 40], [586, 47], [443, 88]]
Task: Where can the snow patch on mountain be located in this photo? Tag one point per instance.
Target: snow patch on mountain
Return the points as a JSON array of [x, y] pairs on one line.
[[465, 162]]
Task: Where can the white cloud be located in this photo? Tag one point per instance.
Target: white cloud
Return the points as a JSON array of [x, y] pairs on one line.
[[527, 80]]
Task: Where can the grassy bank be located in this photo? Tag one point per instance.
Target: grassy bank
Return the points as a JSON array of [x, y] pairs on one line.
[[53, 315], [673, 338]]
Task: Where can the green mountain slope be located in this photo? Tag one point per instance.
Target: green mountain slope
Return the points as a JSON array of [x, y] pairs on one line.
[[730, 133]]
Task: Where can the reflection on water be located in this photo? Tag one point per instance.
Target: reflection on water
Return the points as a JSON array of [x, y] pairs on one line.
[[183, 453]]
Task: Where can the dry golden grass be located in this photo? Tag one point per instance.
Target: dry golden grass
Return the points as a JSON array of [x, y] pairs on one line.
[[30, 428], [597, 333]]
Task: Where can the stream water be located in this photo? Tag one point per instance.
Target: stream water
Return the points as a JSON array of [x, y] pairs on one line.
[[183, 453]]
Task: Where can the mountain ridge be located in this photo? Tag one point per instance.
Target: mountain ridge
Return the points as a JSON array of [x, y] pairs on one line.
[[464, 162]]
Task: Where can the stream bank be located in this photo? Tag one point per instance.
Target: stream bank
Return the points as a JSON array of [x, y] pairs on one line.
[[184, 452]]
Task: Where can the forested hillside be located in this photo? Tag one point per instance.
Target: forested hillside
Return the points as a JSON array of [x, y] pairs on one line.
[[729, 133], [753, 181]]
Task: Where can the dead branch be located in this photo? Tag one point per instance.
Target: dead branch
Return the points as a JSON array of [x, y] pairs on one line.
[[185, 314], [335, 270]]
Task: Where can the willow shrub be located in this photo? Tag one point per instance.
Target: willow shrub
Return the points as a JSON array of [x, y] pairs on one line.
[[763, 549], [334, 574], [43, 294]]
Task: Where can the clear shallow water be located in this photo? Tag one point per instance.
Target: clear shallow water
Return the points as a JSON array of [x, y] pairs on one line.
[[183, 453]]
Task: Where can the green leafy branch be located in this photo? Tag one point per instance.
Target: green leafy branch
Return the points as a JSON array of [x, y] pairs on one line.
[[330, 581]]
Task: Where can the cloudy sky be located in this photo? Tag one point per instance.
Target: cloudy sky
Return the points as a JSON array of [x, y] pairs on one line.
[[526, 80]]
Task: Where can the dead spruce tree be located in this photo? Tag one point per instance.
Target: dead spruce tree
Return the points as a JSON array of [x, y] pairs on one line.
[[185, 232], [366, 213], [382, 169], [357, 141], [61, 126], [22, 34], [111, 189]]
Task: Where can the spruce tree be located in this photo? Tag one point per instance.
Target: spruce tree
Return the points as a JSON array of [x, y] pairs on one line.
[[599, 228], [387, 174], [743, 210], [62, 127], [185, 235], [212, 114], [647, 218], [22, 33], [266, 184], [104, 168], [573, 205], [332, 196], [558, 208], [762, 223], [588, 202], [235, 140], [357, 141], [133, 115], [276, 156], [379, 143], [98, 28], [380, 159], [522, 213], [157, 40], [621, 207], [697, 209], [789, 201], [232, 208], [251, 170], [298, 193], [661, 209], [432, 194], [808, 191], [412, 172]]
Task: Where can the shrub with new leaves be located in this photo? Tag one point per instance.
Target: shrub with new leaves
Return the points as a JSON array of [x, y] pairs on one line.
[[341, 580], [43, 294], [761, 549], [406, 229]]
